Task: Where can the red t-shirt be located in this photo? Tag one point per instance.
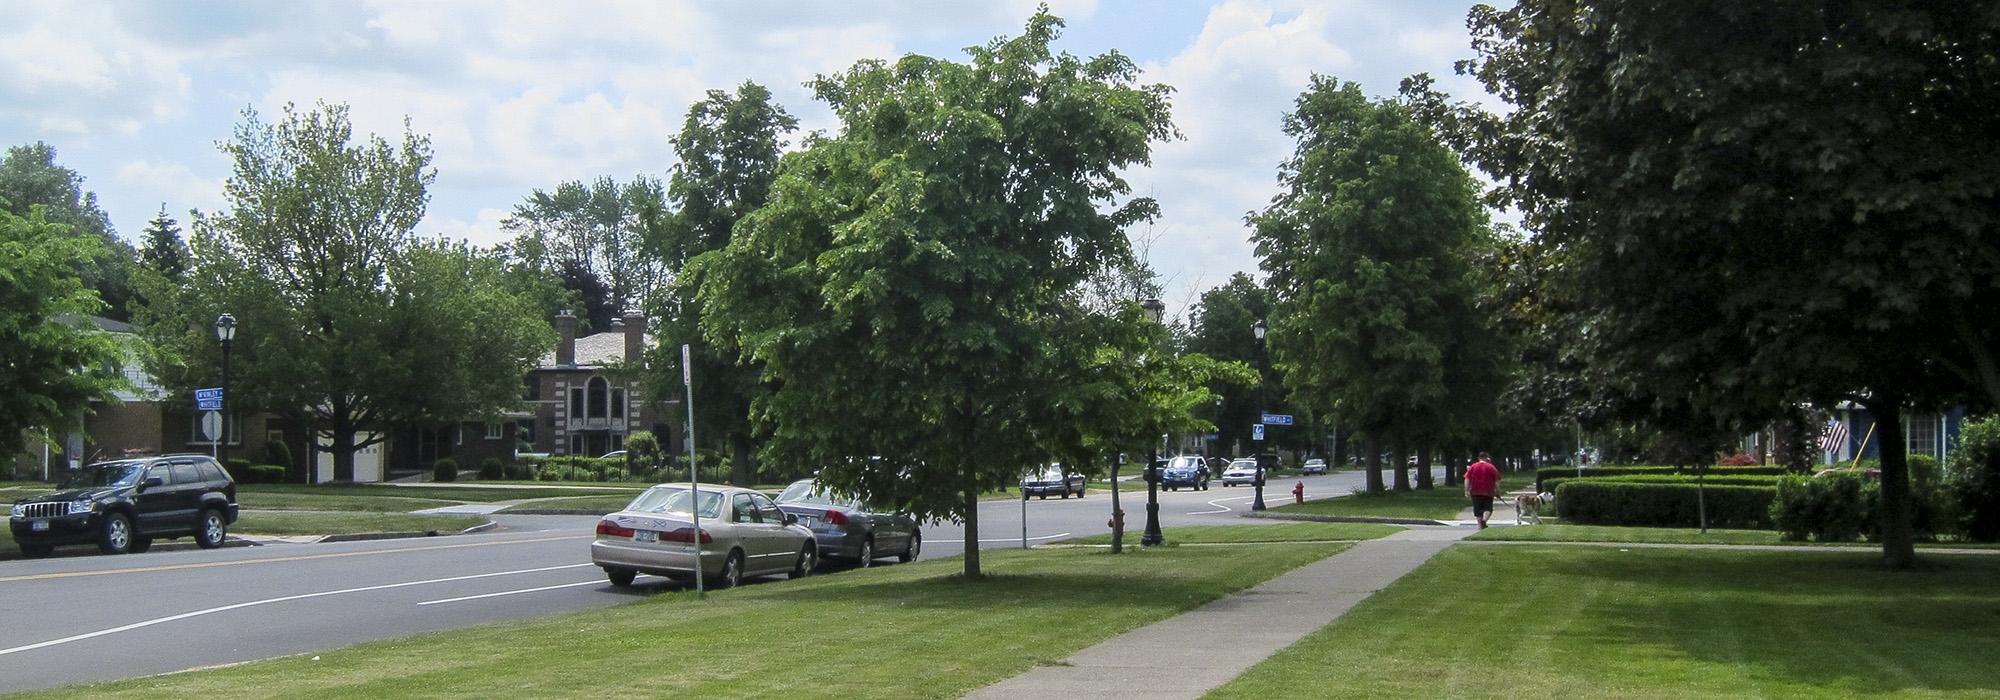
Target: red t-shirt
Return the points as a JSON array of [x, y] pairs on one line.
[[1481, 479]]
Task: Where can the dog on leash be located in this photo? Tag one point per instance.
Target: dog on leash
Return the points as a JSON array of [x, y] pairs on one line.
[[1528, 507]]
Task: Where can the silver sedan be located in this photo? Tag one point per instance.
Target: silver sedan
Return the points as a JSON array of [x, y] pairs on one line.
[[743, 534]]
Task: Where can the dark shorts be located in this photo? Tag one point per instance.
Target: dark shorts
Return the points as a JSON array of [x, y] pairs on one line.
[[1482, 505]]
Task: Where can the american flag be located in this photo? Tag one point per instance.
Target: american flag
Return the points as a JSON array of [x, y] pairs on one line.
[[1833, 437]]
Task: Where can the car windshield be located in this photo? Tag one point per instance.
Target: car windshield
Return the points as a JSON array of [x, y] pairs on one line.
[[119, 474], [674, 499], [809, 493], [1049, 474], [1245, 464], [1185, 463]]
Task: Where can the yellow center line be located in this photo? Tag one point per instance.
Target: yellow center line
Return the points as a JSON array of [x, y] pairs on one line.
[[273, 560]]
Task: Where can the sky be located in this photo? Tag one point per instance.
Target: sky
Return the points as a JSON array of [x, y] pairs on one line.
[[517, 96]]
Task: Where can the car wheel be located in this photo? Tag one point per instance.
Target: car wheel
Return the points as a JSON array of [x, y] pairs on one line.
[[33, 551], [620, 577], [807, 561], [211, 529], [1044, 497], [867, 553], [139, 545], [916, 545], [115, 535], [1065, 494], [732, 571]]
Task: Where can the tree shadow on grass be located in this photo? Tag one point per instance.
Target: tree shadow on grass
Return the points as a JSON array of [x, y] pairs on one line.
[[1835, 623], [1013, 590]]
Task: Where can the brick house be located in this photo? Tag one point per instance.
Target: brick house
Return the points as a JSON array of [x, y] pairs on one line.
[[580, 404]]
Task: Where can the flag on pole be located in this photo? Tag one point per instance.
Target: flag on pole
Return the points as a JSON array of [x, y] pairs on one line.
[[1833, 437]]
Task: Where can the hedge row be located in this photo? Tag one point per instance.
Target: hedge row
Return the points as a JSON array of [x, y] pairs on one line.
[[1551, 484], [1598, 502], [1546, 473]]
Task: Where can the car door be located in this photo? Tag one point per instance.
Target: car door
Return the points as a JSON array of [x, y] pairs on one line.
[[153, 505], [784, 543], [754, 535], [188, 488]]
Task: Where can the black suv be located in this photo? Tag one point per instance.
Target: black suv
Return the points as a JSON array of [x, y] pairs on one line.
[[123, 506]]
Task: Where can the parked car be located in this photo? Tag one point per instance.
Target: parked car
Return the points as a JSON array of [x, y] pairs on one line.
[[743, 534], [1185, 471], [844, 528], [123, 506], [1242, 471], [1052, 480], [614, 454], [1314, 466]]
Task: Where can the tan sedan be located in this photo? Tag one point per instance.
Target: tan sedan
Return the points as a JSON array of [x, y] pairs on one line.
[[743, 534]]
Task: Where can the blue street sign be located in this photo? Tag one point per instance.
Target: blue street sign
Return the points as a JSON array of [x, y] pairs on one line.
[[1277, 419], [1257, 432], [208, 399]]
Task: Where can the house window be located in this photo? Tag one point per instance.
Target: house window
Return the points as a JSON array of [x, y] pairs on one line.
[[493, 431], [595, 404], [531, 389], [576, 444], [576, 402], [617, 441], [1922, 432], [618, 404]]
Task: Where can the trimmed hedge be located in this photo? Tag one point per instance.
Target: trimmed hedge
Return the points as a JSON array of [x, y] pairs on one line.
[[445, 470], [1546, 473], [490, 469], [1712, 480], [267, 474], [1602, 502]]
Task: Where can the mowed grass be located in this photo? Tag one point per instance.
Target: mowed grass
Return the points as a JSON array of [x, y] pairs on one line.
[[290, 522], [1597, 622], [1438, 503], [1249, 534], [597, 505], [905, 631], [1662, 535], [266, 500]]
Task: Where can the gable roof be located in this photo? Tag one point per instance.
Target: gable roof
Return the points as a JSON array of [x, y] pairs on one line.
[[595, 350]]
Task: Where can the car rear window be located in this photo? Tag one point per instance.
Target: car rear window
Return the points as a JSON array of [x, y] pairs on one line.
[[186, 473], [211, 472]]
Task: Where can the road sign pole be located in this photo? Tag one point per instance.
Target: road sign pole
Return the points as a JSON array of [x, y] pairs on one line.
[[694, 478]]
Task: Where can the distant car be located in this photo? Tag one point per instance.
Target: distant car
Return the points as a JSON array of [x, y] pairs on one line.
[[1052, 480], [122, 506], [743, 534], [614, 454], [846, 529], [1186, 471], [1242, 471], [1314, 466]]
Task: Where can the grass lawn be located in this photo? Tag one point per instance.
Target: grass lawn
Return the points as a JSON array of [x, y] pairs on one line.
[[1661, 535], [628, 485], [1439, 503], [266, 500], [1655, 623], [1284, 532], [446, 493], [292, 522], [907, 631], [593, 504]]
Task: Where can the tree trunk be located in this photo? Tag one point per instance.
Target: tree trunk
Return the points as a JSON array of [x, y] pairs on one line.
[[1899, 550], [1117, 523], [1372, 455], [739, 460], [1401, 463], [1451, 468], [343, 450], [1424, 467], [971, 517]]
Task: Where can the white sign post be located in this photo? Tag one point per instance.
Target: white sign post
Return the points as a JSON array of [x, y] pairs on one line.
[[694, 480], [211, 428]]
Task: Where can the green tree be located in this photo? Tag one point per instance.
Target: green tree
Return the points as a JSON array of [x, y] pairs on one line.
[[1766, 202], [52, 362], [347, 321], [1365, 246], [29, 176], [904, 285], [165, 252], [1220, 327], [593, 237], [728, 151]]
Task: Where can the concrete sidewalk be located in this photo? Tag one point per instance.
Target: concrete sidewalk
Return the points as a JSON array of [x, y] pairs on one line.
[[1162, 660]]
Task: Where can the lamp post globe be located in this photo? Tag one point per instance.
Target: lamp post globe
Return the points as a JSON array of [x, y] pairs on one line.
[[1258, 329]]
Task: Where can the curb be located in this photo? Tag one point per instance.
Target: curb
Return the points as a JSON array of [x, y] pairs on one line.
[[552, 511], [1267, 515]]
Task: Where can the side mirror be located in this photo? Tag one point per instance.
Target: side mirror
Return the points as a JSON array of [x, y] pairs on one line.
[[791, 519], [151, 482]]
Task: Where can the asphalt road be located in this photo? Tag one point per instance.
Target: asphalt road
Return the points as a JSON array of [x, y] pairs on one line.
[[79, 619]]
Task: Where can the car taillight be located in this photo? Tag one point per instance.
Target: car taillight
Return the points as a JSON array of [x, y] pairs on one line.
[[834, 517], [606, 527], [686, 535]]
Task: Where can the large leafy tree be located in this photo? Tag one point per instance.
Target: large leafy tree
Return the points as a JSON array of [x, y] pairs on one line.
[[1220, 327], [728, 149], [52, 362], [347, 321], [29, 176], [1375, 318], [593, 236], [1765, 202], [164, 252], [906, 283]]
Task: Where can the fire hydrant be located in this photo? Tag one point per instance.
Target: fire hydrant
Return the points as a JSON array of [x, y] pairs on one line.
[[1299, 492], [1117, 521]]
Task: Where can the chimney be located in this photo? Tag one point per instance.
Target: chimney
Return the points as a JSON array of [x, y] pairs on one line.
[[635, 335], [565, 339]]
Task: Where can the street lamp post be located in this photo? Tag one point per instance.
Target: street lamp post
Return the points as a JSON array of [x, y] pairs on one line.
[[225, 331], [1152, 538], [1259, 329]]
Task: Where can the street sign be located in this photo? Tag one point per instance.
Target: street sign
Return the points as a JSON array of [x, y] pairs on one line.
[[687, 373], [208, 399], [1277, 419], [1257, 432], [211, 425]]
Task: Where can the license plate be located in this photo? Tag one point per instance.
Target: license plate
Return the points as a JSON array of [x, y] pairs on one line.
[[645, 536], [39, 526]]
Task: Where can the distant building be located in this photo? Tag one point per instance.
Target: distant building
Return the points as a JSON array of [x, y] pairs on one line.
[[579, 407], [1927, 434]]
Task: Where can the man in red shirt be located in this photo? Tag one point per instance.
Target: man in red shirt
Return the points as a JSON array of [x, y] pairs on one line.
[[1482, 484]]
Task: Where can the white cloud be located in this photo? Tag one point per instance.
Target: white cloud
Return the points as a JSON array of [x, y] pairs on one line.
[[70, 69], [175, 186], [483, 230]]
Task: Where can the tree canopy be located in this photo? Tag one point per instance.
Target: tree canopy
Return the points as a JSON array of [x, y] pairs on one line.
[[592, 236], [29, 177], [53, 361], [905, 284]]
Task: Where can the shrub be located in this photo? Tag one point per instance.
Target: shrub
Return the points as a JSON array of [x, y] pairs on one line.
[[1826, 508], [275, 452], [239, 469], [614, 474], [260, 474], [1725, 479], [520, 471], [1596, 502], [1737, 460], [1972, 481], [444, 470], [549, 472], [490, 469], [1546, 473], [642, 453]]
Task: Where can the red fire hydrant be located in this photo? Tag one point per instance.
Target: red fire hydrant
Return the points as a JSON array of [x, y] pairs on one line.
[[1299, 492]]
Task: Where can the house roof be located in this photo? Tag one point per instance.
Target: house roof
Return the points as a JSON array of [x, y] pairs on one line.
[[595, 350]]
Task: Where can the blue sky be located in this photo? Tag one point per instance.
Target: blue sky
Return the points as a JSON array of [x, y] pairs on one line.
[[518, 96]]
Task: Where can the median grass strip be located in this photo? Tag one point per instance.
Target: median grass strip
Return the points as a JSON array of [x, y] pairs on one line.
[[1663, 535], [593, 505], [1278, 532], [1654, 623], [904, 631], [266, 500], [291, 522], [1439, 503]]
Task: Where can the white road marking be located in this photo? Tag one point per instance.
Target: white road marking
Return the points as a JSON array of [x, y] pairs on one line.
[[267, 601], [961, 542], [1219, 508], [524, 590]]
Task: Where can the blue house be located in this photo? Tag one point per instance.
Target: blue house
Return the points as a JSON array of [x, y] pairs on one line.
[[1928, 434]]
